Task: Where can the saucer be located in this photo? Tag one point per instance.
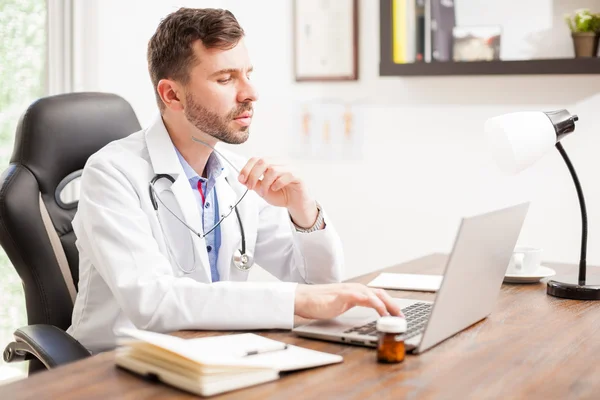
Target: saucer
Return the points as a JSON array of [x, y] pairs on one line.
[[542, 272]]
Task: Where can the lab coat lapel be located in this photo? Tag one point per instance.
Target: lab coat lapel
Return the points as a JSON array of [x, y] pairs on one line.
[[164, 161]]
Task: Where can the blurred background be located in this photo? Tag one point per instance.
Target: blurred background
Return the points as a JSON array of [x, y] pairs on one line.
[[361, 98]]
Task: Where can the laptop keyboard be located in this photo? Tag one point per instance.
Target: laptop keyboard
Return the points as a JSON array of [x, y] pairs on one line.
[[416, 317]]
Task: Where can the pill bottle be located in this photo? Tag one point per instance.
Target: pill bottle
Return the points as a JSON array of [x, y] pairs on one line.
[[390, 345]]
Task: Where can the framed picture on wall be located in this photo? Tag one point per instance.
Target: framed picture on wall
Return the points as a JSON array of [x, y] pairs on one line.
[[476, 43], [325, 40]]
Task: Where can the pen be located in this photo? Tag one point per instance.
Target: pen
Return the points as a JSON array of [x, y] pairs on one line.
[[255, 352]]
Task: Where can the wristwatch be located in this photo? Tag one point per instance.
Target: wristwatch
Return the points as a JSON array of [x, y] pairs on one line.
[[316, 226]]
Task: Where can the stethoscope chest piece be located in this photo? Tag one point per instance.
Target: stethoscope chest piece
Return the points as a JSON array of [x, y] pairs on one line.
[[242, 261]]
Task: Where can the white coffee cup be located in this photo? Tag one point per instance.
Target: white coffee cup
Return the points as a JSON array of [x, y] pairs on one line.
[[524, 261]]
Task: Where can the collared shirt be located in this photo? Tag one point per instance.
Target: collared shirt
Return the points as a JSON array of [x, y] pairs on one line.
[[209, 211]]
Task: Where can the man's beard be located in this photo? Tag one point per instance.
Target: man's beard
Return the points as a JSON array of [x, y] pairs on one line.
[[215, 125]]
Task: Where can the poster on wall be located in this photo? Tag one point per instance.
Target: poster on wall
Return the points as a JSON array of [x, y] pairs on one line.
[[325, 40], [328, 131]]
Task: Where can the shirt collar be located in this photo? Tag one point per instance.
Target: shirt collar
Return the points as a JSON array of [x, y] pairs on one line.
[[214, 168]]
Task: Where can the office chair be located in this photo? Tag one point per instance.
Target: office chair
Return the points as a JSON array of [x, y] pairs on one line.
[[54, 138]]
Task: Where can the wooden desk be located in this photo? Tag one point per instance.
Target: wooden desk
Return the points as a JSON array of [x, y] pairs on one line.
[[532, 346]]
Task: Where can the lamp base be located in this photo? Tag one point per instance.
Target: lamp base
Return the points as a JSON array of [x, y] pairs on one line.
[[568, 287]]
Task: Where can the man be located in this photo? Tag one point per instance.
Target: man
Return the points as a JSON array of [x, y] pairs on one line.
[[164, 242]]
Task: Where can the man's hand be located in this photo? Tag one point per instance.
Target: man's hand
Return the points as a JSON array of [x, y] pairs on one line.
[[330, 300], [282, 188]]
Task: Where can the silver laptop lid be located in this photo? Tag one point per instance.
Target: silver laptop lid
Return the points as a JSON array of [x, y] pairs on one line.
[[474, 272]]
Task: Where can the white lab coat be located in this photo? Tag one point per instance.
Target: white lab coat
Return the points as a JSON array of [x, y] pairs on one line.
[[127, 276]]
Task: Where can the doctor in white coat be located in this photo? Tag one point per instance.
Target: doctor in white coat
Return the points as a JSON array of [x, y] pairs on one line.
[[164, 241]]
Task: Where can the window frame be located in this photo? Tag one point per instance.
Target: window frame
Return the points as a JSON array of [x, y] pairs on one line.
[[59, 54]]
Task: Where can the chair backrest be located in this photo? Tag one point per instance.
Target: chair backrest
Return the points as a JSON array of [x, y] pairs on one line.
[[54, 139]]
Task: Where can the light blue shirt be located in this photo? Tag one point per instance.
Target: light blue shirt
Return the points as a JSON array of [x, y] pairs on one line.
[[209, 211]]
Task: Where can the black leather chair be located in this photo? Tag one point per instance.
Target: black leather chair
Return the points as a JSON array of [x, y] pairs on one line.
[[54, 139]]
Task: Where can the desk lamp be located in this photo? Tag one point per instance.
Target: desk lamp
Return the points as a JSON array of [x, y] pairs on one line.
[[517, 141]]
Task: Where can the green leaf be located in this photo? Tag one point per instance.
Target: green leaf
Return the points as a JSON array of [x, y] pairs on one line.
[[583, 21]]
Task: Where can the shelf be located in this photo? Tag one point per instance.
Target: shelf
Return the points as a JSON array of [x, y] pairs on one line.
[[525, 67], [556, 66]]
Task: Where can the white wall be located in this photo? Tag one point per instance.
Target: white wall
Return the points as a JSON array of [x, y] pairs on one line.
[[425, 164]]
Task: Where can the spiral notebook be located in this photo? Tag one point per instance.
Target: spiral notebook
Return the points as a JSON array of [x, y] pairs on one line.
[[213, 365]]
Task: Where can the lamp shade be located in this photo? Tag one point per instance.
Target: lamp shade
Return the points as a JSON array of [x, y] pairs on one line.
[[517, 140]]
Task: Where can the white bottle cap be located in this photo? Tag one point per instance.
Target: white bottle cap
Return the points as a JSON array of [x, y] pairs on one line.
[[391, 325]]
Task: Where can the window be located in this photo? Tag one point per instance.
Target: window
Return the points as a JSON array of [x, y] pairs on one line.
[[23, 78]]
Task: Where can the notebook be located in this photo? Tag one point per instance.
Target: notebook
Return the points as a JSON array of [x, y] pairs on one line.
[[417, 282], [213, 365]]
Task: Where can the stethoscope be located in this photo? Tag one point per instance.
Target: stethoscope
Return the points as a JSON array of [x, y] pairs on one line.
[[240, 259]]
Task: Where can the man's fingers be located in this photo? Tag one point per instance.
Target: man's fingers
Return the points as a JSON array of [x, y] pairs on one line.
[[369, 299], [378, 305], [255, 173], [271, 174], [246, 170], [283, 181], [391, 306], [357, 298]]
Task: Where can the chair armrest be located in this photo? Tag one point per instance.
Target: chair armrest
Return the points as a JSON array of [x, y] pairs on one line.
[[49, 344]]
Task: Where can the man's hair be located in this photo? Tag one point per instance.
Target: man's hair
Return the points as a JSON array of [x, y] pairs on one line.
[[170, 51]]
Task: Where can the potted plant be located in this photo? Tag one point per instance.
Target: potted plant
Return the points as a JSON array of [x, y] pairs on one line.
[[585, 31]]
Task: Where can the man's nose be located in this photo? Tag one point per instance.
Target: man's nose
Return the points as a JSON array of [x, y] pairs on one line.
[[247, 92]]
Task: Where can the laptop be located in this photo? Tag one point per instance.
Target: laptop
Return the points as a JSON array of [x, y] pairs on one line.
[[472, 279]]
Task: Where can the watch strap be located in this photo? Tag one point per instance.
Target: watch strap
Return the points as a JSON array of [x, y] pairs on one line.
[[316, 226]]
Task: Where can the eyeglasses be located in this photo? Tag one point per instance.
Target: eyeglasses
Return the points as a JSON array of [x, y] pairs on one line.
[[154, 195]]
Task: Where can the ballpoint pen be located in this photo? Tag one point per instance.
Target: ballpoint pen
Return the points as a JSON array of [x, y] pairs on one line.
[[255, 352]]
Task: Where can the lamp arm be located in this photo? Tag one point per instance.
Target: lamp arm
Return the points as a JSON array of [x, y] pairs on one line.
[[584, 224]]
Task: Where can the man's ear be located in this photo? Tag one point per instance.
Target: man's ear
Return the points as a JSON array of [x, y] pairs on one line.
[[170, 94]]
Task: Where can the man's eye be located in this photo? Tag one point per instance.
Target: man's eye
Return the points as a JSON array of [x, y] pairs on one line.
[[224, 80]]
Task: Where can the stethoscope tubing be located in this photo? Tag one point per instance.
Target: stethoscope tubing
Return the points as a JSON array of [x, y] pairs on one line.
[[242, 265]]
